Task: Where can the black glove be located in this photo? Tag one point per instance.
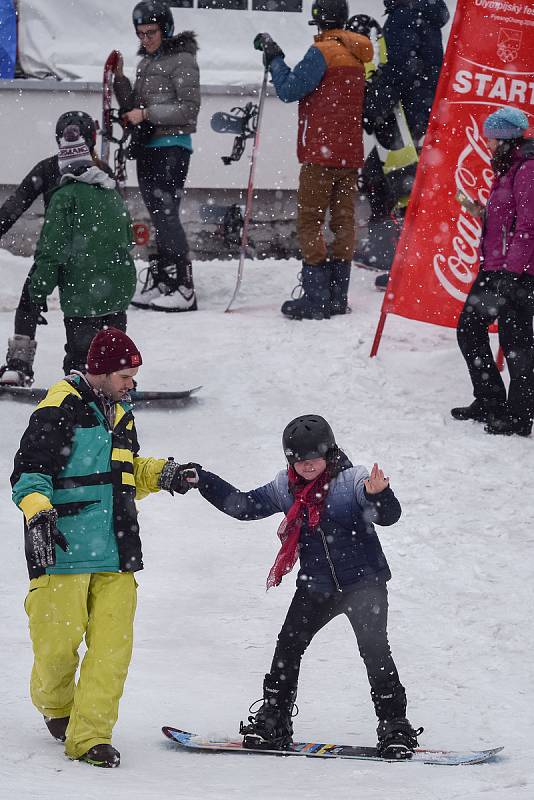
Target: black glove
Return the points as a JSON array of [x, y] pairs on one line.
[[43, 535], [269, 48], [174, 477]]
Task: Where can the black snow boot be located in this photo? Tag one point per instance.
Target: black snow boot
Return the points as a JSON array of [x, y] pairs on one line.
[[314, 302], [150, 284], [509, 426], [57, 727], [270, 728], [179, 291], [396, 738], [339, 287], [18, 369], [102, 755], [478, 411]]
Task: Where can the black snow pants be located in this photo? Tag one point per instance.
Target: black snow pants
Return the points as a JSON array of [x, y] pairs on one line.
[[509, 299], [162, 172], [366, 607]]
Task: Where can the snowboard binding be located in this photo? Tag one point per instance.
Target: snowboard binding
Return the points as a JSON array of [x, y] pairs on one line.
[[242, 123]]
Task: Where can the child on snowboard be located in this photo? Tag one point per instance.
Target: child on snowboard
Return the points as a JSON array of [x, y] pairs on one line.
[[330, 507]]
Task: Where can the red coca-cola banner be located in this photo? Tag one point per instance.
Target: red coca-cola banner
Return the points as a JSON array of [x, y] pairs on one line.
[[489, 63]]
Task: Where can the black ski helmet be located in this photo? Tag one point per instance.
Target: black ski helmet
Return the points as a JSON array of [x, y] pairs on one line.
[[306, 437], [156, 12], [83, 121], [328, 14]]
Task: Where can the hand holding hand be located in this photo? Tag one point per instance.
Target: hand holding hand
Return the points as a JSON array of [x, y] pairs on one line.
[[43, 535], [376, 482], [179, 477]]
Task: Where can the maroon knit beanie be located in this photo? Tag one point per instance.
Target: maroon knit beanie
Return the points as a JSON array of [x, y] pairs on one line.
[[110, 351]]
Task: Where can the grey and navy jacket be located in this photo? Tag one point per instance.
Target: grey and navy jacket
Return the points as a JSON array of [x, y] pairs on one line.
[[344, 548], [167, 85], [72, 459]]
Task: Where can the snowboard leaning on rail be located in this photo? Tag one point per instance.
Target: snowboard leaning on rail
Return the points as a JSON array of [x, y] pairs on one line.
[[139, 399], [196, 743]]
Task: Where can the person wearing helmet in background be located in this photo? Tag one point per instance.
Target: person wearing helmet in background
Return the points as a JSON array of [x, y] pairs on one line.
[[40, 181], [163, 107], [329, 84], [330, 508], [503, 290]]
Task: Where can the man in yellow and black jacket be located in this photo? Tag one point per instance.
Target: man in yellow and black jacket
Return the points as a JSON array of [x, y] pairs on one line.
[[76, 478]]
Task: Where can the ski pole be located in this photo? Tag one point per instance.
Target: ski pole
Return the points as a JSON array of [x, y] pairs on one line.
[[250, 192]]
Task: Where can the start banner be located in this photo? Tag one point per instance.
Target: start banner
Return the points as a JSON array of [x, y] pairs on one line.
[[489, 63]]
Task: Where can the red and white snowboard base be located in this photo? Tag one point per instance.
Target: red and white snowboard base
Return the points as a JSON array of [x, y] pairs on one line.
[[191, 741]]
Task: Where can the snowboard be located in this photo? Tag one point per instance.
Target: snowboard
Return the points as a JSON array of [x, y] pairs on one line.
[[191, 741], [112, 117], [140, 399]]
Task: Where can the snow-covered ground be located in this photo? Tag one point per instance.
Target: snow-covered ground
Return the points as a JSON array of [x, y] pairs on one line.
[[461, 556]]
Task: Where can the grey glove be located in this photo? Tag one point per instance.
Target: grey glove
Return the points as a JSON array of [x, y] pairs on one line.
[[43, 535], [269, 48], [178, 477]]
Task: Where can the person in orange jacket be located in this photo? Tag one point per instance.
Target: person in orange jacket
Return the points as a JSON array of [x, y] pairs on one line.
[[329, 84]]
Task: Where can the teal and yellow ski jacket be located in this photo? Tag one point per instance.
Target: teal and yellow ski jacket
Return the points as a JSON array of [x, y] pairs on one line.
[[71, 459]]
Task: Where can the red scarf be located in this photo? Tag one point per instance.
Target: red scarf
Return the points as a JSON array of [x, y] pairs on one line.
[[309, 497]]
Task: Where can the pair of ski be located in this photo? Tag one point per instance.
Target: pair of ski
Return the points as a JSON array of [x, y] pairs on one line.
[[205, 744]]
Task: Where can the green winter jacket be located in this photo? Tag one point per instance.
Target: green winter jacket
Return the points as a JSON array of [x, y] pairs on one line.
[[84, 248], [71, 459]]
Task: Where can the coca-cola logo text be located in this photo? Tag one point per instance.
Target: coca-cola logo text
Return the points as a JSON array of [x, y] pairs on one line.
[[473, 178]]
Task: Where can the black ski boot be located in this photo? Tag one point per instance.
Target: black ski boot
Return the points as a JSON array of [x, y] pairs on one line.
[[18, 369], [314, 302], [57, 727], [270, 728], [478, 411], [102, 755], [179, 291], [339, 287], [396, 738]]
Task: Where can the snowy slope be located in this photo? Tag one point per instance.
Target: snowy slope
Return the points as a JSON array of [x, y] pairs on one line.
[[461, 556]]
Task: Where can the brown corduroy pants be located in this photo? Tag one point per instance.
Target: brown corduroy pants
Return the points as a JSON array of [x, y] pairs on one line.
[[322, 188]]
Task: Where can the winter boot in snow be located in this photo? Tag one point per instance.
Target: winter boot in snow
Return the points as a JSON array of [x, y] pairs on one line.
[[179, 291], [381, 282], [396, 738], [102, 755], [339, 287], [57, 727], [18, 369], [509, 425], [479, 411], [150, 282], [314, 302], [270, 728]]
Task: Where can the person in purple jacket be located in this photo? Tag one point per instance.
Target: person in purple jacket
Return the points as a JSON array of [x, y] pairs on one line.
[[330, 507], [504, 287]]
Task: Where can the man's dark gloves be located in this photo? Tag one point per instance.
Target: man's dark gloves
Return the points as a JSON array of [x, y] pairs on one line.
[[43, 535], [178, 477], [268, 47]]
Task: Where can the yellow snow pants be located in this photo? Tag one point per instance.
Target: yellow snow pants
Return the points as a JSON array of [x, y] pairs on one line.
[[62, 609]]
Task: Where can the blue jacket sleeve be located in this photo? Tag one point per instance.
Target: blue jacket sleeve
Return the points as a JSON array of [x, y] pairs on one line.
[[295, 84], [256, 504]]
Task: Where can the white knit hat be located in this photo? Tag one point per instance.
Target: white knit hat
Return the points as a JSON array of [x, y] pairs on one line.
[[73, 150]]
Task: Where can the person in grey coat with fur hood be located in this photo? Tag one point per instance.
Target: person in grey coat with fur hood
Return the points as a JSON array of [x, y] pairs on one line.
[[163, 107]]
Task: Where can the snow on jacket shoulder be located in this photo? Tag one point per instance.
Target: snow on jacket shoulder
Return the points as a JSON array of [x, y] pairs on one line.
[[167, 85]]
